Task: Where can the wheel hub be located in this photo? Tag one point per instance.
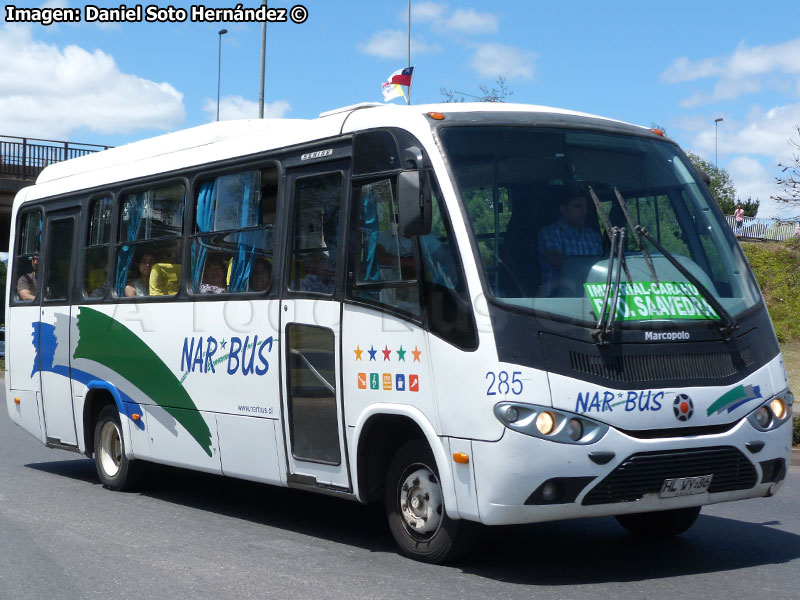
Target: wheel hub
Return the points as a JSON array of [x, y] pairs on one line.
[[421, 501], [110, 449]]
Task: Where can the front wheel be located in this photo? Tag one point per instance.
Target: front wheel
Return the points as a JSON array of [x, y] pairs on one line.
[[662, 524], [115, 470], [415, 508]]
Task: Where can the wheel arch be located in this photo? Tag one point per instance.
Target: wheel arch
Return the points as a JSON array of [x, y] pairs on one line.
[[380, 432], [98, 395]]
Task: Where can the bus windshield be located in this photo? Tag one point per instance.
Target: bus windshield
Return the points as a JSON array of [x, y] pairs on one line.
[[553, 211]]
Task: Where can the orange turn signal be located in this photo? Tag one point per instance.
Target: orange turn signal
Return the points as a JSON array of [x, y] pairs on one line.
[[437, 116], [17, 400], [658, 132], [461, 458], [136, 416]]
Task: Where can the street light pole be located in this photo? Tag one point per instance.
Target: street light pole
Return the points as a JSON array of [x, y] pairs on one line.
[[221, 32], [716, 137]]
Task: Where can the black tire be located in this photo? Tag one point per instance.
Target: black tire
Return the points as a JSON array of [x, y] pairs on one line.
[[661, 524], [116, 472], [414, 478]]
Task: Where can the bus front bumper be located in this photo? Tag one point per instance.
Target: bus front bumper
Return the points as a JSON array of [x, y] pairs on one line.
[[620, 474]]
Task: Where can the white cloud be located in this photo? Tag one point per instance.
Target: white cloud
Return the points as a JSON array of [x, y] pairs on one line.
[[426, 11], [493, 60], [236, 107], [753, 180], [393, 43], [741, 72], [750, 150], [51, 92], [462, 20], [470, 21], [765, 133]]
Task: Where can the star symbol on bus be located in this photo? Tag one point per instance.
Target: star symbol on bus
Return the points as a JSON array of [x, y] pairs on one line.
[[372, 352], [401, 354], [416, 352], [358, 352], [386, 353]]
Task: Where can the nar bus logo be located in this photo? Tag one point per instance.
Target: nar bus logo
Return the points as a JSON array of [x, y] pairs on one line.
[[666, 336]]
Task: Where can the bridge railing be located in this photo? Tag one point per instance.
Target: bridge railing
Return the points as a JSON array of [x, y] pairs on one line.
[[765, 229], [24, 158]]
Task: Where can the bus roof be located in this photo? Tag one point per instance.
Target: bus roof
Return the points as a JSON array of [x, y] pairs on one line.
[[229, 139]]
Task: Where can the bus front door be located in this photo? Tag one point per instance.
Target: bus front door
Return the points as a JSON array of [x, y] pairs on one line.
[[55, 327], [314, 430]]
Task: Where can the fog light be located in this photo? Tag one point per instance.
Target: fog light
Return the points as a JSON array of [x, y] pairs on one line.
[[551, 491], [574, 430], [545, 423], [763, 417], [511, 414], [778, 408]]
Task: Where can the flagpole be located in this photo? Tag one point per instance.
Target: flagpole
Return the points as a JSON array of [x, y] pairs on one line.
[[408, 100], [263, 65]]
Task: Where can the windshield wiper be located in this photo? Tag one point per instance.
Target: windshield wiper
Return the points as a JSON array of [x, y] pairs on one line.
[[616, 258], [729, 324], [609, 228], [632, 224]]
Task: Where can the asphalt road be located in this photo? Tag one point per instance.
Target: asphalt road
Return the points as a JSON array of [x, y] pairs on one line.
[[198, 536]]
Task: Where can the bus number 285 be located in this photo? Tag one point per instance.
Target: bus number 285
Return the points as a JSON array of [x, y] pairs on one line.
[[501, 384]]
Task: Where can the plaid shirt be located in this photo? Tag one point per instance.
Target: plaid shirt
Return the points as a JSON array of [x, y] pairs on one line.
[[571, 242]]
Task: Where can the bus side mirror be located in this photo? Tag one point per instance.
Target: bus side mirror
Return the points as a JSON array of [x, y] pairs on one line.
[[414, 195]]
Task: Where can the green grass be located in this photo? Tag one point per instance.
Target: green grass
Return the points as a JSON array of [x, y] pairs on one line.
[[777, 270]]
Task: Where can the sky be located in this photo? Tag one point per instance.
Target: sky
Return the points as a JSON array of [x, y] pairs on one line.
[[679, 65]]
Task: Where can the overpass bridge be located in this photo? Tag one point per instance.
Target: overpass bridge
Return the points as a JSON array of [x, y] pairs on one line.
[[21, 161]]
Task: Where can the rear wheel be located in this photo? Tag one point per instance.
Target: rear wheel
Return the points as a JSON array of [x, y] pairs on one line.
[[415, 508], [116, 472], [662, 524]]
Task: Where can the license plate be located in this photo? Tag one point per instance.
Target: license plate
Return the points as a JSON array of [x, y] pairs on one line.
[[685, 486]]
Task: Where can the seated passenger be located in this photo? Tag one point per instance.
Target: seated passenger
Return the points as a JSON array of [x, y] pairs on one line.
[[260, 276], [319, 274], [214, 277], [140, 286], [566, 237], [26, 284]]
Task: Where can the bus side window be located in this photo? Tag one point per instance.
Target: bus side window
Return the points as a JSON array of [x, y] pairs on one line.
[[316, 231], [149, 247], [26, 260], [98, 246], [232, 242], [447, 304], [385, 260]]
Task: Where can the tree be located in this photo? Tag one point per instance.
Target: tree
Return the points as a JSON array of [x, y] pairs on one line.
[[722, 188], [493, 94], [790, 181]]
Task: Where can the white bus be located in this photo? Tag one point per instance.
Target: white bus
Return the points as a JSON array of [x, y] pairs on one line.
[[474, 313]]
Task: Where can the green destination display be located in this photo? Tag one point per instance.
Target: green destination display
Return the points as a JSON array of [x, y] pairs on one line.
[[644, 300]]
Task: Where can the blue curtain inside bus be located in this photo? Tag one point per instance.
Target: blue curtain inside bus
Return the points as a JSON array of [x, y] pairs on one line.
[[205, 211], [133, 208]]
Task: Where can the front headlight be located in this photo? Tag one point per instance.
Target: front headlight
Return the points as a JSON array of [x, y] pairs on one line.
[[549, 424], [773, 413]]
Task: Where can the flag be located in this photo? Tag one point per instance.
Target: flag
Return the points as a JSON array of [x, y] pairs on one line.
[[392, 88]]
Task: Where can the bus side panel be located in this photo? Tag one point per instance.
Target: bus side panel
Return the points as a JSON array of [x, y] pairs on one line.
[[23, 408], [385, 360], [248, 448], [21, 357], [174, 438]]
